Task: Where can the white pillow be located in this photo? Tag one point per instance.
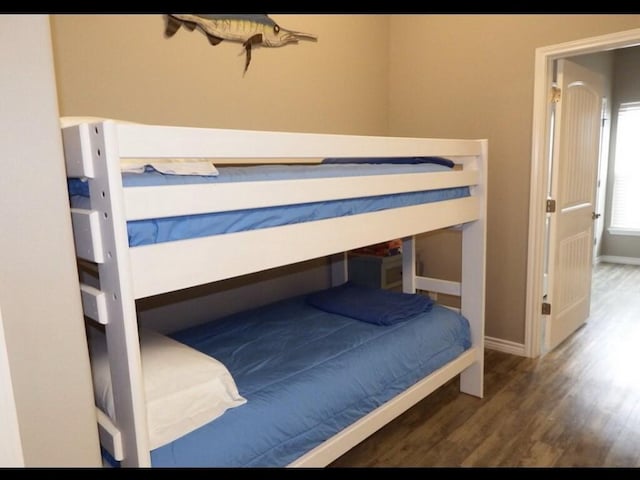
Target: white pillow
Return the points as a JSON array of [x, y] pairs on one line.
[[171, 166], [184, 388]]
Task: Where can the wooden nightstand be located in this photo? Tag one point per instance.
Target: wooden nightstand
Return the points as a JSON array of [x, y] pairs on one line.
[[376, 271]]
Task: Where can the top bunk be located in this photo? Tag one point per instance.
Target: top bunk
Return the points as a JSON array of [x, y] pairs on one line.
[[266, 173]]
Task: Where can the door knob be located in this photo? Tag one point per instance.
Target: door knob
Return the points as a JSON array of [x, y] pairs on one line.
[[595, 216]]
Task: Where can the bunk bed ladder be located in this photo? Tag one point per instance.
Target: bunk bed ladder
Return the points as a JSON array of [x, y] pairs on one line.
[[101, 237]]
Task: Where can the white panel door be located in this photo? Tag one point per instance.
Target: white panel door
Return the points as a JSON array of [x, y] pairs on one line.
[[575, 162]]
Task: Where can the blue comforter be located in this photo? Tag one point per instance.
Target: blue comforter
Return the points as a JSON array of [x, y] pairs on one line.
[[307, 374], [151, 231]]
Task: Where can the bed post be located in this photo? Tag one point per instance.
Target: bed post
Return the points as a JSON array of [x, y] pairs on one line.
[[409, 264], [473, 280], [339, 268], [121, 327]]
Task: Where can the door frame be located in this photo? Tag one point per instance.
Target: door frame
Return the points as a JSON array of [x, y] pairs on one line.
[[543, 76]]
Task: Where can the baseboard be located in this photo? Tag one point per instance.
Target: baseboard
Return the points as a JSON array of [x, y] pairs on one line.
[[505, 346], [622, 260]]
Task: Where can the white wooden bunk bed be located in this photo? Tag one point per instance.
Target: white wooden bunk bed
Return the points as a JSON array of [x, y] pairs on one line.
[[126, 273]]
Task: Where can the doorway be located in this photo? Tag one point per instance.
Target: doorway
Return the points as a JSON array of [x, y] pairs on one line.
[[576, 121], [545, 59]]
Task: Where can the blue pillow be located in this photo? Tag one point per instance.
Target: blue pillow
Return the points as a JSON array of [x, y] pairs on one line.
[[371, 305]]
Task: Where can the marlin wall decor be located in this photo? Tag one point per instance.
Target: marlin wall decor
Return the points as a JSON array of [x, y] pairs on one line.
[[252, 30]]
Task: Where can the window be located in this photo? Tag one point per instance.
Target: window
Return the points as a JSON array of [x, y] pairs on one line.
[[625, 211]]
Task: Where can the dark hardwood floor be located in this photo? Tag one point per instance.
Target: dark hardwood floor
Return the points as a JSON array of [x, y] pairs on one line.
[[578, 405]]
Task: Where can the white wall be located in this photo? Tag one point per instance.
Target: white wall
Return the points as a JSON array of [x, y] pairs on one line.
[[39, 293], [10, 444]]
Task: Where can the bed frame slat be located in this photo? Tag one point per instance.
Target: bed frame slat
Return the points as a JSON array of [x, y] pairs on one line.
[[174, 200], [87, 235], [94, 304], [244, 146], [348, 438], [77, 151], [110, 436], [192, 263], [446, 287]]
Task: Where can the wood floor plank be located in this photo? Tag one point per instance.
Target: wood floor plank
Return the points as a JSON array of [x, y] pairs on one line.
[[578, 405]]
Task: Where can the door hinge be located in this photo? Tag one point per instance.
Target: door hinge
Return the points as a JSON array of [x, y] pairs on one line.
[[546, 308], [555, 94], [551, 205]]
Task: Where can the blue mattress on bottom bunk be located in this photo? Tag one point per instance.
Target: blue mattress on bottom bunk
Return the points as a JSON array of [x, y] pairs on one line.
[[146, 232], [306, 375]]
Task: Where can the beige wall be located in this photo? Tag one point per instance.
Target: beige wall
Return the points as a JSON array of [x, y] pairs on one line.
[[416, 75], [626, 89], [177, 310], [121, 66], [472, 76], [39, 291]]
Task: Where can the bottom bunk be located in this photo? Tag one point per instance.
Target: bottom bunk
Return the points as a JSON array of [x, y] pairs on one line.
[[310, 369]]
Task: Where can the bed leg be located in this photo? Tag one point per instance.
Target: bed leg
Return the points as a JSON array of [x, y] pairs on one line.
[[471, 380], [409, 264], [339, 269]]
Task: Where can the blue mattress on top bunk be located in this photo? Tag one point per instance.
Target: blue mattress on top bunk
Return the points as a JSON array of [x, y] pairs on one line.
[[150, 231], [306, 375]]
